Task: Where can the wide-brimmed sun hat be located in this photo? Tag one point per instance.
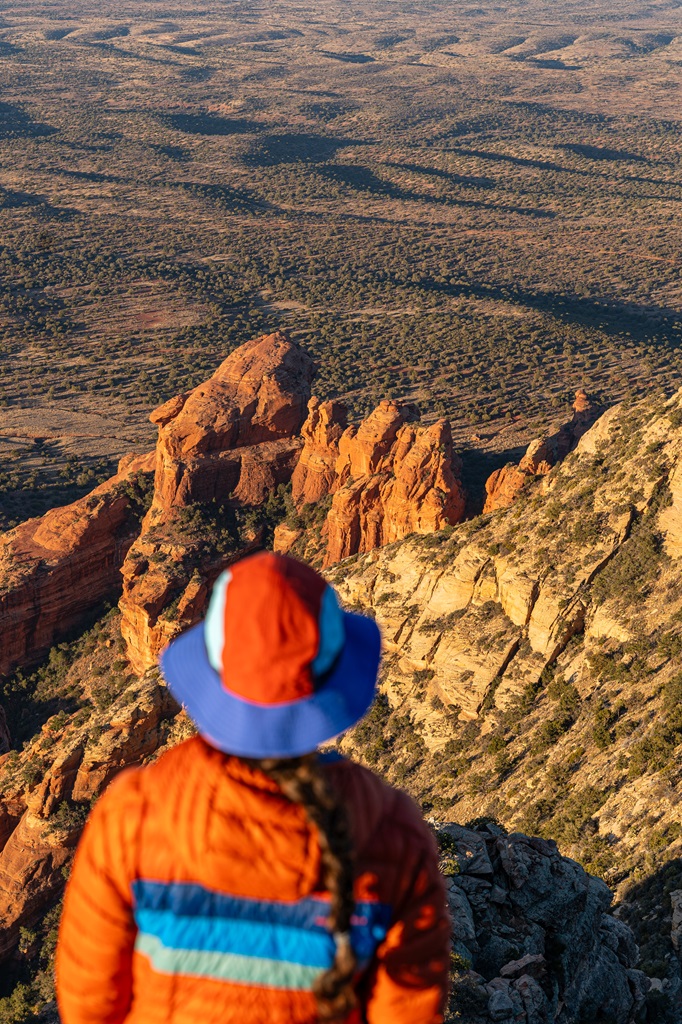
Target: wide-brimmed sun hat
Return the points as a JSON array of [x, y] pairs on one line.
[[277, 667]]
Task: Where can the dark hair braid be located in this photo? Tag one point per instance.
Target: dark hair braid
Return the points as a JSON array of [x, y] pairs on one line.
[[304, 782]]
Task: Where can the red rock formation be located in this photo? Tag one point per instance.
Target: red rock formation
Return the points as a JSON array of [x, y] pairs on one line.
[[56, 569], [285, 538], [410, 483], [258, 395], [368, 449], [388, 478], [231, 442], [315, 475], [504, 485]]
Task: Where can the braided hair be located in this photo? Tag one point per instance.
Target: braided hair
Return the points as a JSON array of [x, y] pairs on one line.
[[303, 781]]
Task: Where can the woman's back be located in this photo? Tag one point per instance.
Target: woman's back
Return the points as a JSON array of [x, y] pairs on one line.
[[198, 896], [241, 878]]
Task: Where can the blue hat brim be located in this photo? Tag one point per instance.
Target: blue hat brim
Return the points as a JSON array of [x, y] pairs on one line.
[[241, 727]]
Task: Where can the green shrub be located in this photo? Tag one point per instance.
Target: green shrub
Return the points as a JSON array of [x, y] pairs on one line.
[[633, 569], [20, 1007], [657, 749], [69, 816], [575, 813]]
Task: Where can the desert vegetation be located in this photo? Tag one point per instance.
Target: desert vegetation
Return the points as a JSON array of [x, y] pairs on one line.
[[476, 210]]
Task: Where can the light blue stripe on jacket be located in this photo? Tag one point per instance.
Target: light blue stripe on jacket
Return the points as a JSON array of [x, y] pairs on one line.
[[193, 916], [232, 967], [262, 939]]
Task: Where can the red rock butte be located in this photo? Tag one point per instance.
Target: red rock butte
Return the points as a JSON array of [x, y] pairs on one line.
[[232, 439], [387, 476], [257, 397]]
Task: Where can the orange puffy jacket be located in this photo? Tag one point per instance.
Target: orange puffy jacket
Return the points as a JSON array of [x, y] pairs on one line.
[[194, 898]]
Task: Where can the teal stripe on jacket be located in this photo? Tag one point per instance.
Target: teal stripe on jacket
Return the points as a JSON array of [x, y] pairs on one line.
[[233, 967], [310, 947]]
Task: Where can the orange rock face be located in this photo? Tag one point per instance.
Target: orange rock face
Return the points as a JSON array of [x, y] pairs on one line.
[[227, 444], [408, 482], [256, 397], [504, 485], [285, 538], [369, 448], [56, 569], [315, 475]]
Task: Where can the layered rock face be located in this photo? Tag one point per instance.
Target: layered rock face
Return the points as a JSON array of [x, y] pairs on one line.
[[535, 657], [533, 926], [538, 652], [536, 930], [388, 477], [229, 443], [236, 434], [415, 488], [315, 475], [41, 821], [504, 485], [55, 570]]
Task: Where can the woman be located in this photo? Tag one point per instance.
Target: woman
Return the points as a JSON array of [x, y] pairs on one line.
[[243, 877]]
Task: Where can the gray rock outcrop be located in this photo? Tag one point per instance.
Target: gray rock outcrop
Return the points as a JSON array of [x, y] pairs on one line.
[[532, 934]]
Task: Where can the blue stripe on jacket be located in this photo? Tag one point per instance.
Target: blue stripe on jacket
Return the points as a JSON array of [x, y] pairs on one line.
[[188, 928]]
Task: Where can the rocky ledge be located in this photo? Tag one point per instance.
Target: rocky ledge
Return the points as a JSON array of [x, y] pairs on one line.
[[505, 485], [533, 937]]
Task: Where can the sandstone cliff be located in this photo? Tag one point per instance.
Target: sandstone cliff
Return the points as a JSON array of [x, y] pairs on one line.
[[533, 667], [46, 791], [533, 936], [237, 433], [538, 653], [504, 485], [223, 447], [55, 570], [316, 475]]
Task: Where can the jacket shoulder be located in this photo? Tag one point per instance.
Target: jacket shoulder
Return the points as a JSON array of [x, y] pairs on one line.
[[380, 811]]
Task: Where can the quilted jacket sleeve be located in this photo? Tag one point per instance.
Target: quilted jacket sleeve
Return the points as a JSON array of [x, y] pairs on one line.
[[97, 932], [410, 981]]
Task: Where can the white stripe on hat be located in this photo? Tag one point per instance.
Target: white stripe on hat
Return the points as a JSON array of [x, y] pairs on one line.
[[214, 623]]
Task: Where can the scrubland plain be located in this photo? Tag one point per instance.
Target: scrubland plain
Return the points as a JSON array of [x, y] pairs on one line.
[[473, 206]]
